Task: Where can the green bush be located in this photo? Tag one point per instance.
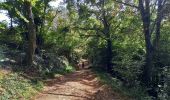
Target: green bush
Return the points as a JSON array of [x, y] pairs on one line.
[[15, 87], [164, 87], [135, 93], [56, 65]]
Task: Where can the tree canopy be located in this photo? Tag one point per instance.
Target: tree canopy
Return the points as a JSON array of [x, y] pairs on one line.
[[127, 39]]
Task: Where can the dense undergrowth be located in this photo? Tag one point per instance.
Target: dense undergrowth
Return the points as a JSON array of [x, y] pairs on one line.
[[130, 93], [109, 36], [16, 82], [15, 87]]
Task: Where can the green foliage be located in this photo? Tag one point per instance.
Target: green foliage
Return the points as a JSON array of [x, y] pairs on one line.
[[67, 69], [163, 62], [54, 65], [133, 93], [81, 30], [64, 66], [164, 87], [3, 26], [129, 61], [2, 56], [16, 87], [96, 53]]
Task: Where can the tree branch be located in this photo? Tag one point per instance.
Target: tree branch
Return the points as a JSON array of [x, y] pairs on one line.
[[127, 4], [97, 30]]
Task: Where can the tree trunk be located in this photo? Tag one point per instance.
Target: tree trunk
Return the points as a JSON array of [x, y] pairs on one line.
[[156, 45], [158, 24], [106, 32], [32, 34], [109, 56], [150, 70], [147, 70], [145, 14]]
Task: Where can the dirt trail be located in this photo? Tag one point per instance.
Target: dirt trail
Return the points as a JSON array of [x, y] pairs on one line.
[[80, 85]]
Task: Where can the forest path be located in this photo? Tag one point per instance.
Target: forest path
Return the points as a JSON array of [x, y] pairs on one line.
[[79, 85]]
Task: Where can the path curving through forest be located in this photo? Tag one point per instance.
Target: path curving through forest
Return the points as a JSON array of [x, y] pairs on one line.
[[80, 85]]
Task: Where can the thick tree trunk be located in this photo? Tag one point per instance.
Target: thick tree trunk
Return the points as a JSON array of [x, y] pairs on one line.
[[150, 76], [147, 70], [156, 45], [109, 56], [32, 34], [109, 52], [106, 32], [145, 14]]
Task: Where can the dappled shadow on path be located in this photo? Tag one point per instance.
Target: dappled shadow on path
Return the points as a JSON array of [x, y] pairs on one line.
[[83, 76], [80, 85], [68, 95]]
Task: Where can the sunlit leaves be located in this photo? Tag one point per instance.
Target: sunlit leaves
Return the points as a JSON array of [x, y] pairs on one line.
[[21, 16]]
